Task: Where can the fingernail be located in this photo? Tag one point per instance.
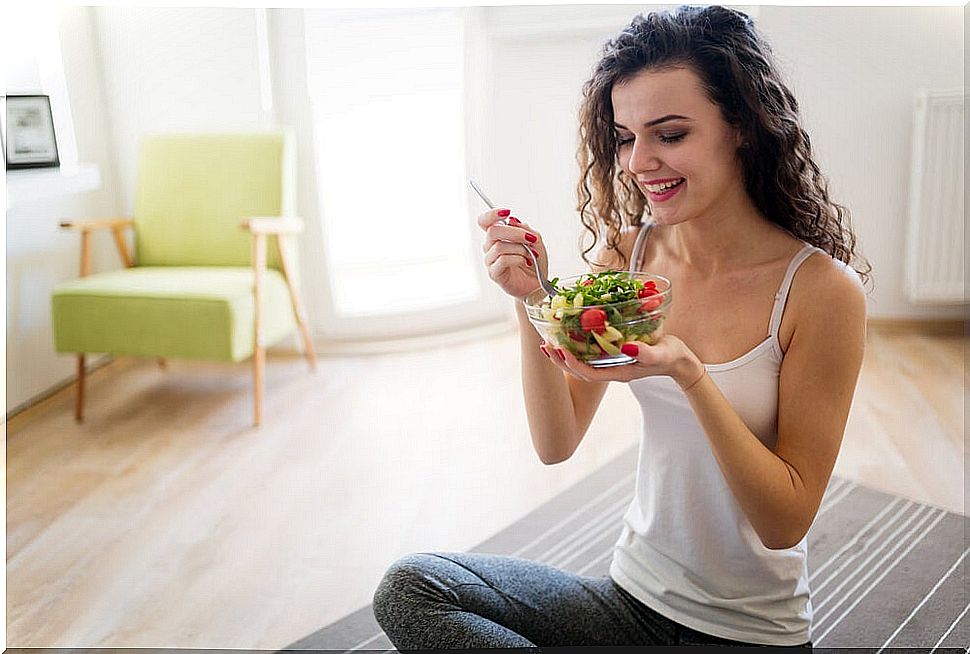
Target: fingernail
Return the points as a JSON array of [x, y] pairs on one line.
[[515, 221], [504, 212], [562, 355], [528, 263], [630, 349], [542, 346], [534, 252], [530, 237]]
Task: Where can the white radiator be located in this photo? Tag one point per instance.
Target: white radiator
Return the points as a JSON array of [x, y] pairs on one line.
[[935, 232]]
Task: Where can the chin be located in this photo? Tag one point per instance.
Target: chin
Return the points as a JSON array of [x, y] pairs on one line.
[[663, 217]]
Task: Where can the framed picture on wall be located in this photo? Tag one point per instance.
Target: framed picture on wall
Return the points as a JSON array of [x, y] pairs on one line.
[[28, 138]]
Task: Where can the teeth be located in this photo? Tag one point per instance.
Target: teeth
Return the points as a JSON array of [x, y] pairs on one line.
[[659, 188]]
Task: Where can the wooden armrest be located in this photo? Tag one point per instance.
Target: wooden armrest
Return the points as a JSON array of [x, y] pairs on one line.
[[98, 223], [270, 225], [88, 226]]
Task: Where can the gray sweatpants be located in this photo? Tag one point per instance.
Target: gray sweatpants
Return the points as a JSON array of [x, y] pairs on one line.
[[470, 600]]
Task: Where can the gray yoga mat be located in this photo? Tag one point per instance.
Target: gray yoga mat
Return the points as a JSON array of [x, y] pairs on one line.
[[886, 572]]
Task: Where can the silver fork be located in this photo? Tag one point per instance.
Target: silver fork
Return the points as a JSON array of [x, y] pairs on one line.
[[546, 285]]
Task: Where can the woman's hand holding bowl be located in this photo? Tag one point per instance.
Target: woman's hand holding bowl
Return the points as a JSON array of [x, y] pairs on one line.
[[669, 356]]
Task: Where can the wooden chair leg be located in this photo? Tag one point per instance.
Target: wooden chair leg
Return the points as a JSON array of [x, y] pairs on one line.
[[259, 367], [308, 351], [79, 394], [297, 302], [259, 353]]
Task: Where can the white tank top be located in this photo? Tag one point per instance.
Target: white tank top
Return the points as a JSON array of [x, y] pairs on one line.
[[686, 548]]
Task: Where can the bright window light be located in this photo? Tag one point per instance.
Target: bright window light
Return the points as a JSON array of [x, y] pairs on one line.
[[387, 94]]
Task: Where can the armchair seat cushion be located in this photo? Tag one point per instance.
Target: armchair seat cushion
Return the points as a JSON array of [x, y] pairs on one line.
[[192, 312]]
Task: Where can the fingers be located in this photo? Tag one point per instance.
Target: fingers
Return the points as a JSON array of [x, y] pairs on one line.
[[517, 233], [495, 249], [501, 249], [501, 218], [489, 218], [506, 257], [565, 361], [520, 235], [631, 349]]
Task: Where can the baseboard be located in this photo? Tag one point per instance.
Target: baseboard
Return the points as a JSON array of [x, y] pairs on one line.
[[336, 348], [54, 390], [918, 326]]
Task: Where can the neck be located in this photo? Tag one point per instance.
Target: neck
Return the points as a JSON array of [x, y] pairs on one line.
[[722, 240]]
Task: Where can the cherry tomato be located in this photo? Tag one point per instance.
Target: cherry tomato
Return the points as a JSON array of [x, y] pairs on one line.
[[593, 320]]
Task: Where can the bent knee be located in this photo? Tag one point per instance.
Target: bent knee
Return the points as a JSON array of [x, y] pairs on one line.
[[400, 580]]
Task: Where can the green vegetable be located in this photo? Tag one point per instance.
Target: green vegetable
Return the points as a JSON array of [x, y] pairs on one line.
[[618, 286], [618, 295]]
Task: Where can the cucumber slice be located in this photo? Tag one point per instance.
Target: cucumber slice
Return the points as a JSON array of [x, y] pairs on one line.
[[605, 344]]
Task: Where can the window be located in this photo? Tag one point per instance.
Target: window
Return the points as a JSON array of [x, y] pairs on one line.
[[387, 93]]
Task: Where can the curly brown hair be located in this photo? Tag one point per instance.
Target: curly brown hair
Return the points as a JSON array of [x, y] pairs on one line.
[[736, 68]]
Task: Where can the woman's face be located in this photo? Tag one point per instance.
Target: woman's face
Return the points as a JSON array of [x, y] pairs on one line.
[[667, 130]]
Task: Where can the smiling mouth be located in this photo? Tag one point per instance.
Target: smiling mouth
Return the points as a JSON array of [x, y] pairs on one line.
[[665, 194], [660, 189]]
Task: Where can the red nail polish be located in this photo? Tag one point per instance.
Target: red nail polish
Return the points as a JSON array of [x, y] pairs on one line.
[[562, 355], [504, 212], [534, 252], [542, 346], [529, 236], [528, 263], [515, 221], [630, 349]]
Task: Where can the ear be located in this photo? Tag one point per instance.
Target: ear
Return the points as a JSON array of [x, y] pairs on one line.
[[739, 140]]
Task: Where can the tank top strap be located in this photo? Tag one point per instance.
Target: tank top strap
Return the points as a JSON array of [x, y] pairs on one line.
[[781, 297], [638, 246]]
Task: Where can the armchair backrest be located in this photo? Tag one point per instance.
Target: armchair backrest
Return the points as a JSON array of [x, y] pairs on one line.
[[193, 190]]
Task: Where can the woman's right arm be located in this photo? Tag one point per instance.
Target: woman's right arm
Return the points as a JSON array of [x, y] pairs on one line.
[[560, 407]]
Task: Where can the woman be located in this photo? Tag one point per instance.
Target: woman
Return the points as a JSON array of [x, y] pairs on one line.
[[746, 396]]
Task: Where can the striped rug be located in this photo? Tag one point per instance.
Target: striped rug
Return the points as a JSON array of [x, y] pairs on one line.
[[887, 573]]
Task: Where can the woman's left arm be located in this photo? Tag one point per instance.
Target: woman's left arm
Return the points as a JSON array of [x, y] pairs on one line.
[[780, 490]]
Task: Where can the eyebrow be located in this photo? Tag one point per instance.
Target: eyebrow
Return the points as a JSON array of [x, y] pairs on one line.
[[656, 122]]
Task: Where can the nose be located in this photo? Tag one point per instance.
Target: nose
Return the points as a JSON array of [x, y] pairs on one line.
[[642, 158]]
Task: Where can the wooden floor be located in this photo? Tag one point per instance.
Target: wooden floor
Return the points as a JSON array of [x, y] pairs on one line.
[[165, 520]]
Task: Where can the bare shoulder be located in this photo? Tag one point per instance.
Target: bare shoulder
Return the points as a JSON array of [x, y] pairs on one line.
[[822, 276], [827, 292], [604, 257]]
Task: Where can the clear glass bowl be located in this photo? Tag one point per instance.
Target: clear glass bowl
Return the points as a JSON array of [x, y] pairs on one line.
[[640, 320]]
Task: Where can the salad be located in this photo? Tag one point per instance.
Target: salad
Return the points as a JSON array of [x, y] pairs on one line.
[[600, 312]]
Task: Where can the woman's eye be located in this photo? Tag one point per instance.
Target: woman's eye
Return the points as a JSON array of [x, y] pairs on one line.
[[664, 138]]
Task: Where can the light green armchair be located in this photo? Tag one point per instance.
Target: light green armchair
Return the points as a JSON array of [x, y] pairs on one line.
[[203, 284]]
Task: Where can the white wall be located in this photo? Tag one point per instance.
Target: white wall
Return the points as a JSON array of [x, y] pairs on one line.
[[38, 254], [176, 69], [136, 70]]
